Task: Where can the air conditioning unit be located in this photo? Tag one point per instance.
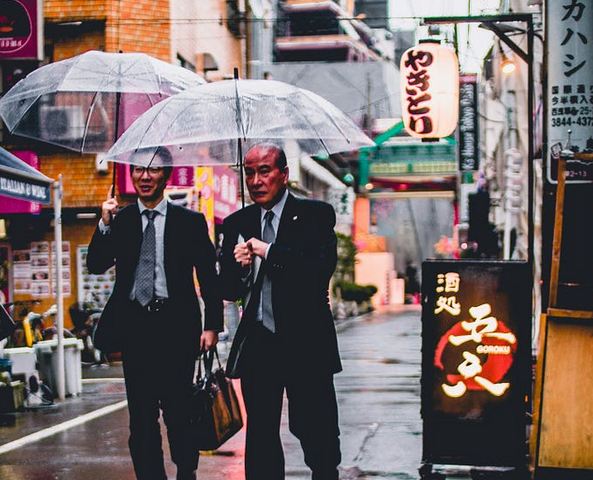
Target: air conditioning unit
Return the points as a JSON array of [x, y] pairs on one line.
[[61, 122]]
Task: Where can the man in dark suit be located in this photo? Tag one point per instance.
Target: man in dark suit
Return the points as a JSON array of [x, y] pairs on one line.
[[280, 265], [155, 319]]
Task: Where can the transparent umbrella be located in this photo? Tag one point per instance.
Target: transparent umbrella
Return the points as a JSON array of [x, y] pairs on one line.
[[213, 123], [83, 103]]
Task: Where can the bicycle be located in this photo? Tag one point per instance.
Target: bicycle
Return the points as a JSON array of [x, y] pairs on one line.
[[84, 316]]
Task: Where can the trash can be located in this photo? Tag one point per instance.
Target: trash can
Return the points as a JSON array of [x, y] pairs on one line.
[[24, 359], [48, 364], [24, 364]]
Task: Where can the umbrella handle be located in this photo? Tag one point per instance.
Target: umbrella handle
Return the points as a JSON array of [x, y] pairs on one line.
[[113, 181], [241, 179]]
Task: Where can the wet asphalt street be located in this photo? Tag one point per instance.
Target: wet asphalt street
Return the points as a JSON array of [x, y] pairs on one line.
[[85, 437]]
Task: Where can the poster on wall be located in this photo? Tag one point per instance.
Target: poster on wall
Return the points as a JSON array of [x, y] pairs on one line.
[[21, 269], [66, 285], [92, 289], [40, 278]]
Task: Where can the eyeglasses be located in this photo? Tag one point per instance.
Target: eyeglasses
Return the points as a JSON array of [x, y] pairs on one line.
[[152, 171]]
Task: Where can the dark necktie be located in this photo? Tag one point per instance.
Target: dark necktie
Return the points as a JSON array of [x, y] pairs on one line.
[[266, 290], [146, 264]]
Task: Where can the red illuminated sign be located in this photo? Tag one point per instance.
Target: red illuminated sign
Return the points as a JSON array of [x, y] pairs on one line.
[[487, 347], [476, 361]]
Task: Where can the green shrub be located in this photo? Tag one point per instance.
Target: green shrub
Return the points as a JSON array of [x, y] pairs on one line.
[[350, 291]]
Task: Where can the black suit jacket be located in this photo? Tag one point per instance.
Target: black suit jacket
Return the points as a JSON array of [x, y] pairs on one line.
[[300, 264], [187, 247]]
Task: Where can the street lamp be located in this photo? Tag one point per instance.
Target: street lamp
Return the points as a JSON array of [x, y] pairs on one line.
[[508, 66], [496, 24]]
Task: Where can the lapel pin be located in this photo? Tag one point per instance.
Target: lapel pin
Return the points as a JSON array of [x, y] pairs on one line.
[[295, 217]]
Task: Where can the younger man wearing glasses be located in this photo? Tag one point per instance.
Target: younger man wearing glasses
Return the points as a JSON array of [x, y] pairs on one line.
[[153, 315]]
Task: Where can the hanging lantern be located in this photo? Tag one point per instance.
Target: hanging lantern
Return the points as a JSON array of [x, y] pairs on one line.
[[429, 90]]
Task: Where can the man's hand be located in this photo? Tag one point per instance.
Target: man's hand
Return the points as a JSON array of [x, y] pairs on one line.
[[257, 247], [243, 254], [109, 208], [208, 339]]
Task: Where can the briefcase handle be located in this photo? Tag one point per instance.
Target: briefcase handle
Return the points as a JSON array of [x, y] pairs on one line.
[[207, 358]]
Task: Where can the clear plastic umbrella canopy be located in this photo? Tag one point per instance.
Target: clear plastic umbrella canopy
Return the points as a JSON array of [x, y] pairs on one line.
[[213, 123], [83, 103]]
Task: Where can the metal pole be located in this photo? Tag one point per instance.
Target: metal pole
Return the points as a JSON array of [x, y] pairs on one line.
[[240, 136], [530, 169], [511, 104], [61, 373]]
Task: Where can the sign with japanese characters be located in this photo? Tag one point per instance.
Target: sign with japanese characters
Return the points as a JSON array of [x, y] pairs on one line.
[[21, 29], [343, 202], [429, 74], [476, 369], [468, 123], [225, 185], [570, 85]]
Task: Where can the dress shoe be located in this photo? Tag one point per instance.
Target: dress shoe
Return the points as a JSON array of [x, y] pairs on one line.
[[187, 475], [331, 474]]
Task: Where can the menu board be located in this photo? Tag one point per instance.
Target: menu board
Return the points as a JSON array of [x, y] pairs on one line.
[[66, 283], [35, 271], [93, 289]]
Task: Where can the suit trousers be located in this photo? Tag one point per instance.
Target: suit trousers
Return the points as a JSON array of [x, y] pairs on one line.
[[158, 376], [312, 410]]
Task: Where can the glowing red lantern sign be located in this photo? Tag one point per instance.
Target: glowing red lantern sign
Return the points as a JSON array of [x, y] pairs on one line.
[[429, 75]]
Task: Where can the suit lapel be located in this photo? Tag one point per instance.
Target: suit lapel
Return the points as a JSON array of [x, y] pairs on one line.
[[135, 232], [251, 226], [287, 220], [169, 236]]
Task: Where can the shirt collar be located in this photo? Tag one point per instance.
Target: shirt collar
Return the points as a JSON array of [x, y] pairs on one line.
[[161, 208], [277, 209]]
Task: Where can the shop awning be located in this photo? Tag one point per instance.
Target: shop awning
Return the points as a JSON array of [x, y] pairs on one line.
[[22, 181]]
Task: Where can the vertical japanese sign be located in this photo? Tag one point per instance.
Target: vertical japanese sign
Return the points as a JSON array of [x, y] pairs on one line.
[[468, 123], [21, 29], [204, 187], [476, 361], [343, 202], [225, 185], [570, 84]]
